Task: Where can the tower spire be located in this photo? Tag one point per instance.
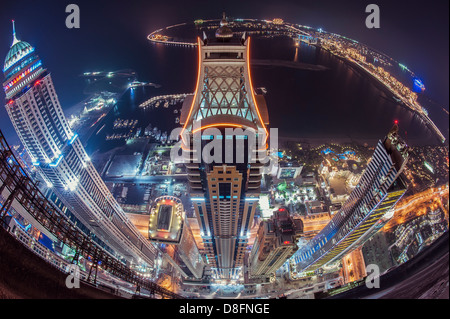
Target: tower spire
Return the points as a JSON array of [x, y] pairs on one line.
[[224, 32], [14, 33]]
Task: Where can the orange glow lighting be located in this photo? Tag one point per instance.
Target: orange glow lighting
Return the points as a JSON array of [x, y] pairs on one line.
[[253, 93], [196, 87], [216, 124]]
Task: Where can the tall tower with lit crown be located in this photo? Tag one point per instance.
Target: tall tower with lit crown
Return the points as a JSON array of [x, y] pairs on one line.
[[226, 111], [59, 156]]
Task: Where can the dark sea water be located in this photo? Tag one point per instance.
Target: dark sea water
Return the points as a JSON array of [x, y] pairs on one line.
[[338, 102]]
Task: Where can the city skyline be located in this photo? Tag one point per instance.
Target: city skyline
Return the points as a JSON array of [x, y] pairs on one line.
[[225, 154]]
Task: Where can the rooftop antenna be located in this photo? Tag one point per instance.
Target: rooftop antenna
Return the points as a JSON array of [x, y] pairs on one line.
[[243, 37], [14, 33]]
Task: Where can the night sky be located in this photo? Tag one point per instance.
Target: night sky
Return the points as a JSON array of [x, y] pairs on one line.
[[414, 33]]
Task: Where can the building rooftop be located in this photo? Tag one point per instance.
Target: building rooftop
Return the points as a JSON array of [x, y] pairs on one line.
[[286, 227], [18, 50], [166, 220], [396, 147], [224, 32]]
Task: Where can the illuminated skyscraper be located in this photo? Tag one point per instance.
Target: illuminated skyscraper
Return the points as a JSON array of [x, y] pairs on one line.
[[224, 111], [37, 116], [368, 208], [169, 227], [275, 243]]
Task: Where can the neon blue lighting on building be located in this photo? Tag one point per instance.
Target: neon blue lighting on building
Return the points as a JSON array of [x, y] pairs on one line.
[[418, 85], [22, 75], [38, 64], [31, 50], [57, 161], [418, 82], [73, 138], [309, 250], [36, 163], [327, 151], [279, 154], [341, 156], [18, 223]]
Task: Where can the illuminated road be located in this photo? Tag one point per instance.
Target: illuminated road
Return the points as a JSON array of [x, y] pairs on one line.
[[416, 205]]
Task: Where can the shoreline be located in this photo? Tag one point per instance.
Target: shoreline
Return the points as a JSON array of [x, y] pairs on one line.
[[388, 92]]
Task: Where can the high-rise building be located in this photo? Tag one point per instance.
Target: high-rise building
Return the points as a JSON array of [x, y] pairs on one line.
[[368, 208], [169, 227], [224, 111], [275, 243], [59, 156]]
